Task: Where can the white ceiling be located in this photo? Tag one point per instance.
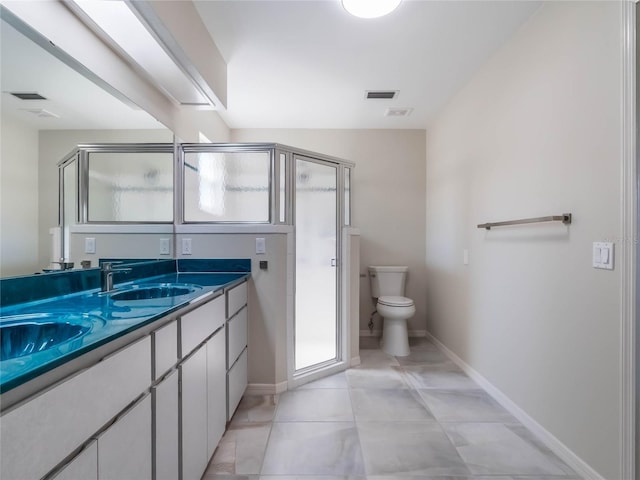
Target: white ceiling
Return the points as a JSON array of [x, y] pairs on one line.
[[307, 63], [79, 103], [293, 64]]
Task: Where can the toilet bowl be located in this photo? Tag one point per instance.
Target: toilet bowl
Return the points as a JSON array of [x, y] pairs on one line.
[[387, 285], [395, 311]]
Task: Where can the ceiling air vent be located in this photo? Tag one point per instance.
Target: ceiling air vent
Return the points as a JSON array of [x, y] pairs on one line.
[[28, 96], [398, 112], [382, 94]]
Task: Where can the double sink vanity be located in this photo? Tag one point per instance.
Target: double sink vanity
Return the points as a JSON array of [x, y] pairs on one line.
[[136, 381]]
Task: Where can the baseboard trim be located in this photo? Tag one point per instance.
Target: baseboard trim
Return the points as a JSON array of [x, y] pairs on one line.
[[378, 333], [370, 333], [555, 445], [266, 388]]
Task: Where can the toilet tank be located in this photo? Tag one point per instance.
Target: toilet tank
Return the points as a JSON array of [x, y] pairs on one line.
[[387, 281]]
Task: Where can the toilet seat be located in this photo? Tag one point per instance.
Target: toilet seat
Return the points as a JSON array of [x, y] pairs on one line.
[[393, 301]]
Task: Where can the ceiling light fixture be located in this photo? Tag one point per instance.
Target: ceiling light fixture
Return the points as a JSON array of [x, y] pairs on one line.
[[370, 8]]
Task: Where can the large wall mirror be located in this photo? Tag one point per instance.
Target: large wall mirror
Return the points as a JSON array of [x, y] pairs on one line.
[[36, 133]]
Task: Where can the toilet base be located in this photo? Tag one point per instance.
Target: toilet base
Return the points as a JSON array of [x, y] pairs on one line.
[[395, 338]]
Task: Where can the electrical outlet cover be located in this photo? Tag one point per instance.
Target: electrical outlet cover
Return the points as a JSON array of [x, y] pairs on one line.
[[165, 246]]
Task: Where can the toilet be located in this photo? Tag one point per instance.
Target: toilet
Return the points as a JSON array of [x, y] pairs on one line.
[[387, 286]]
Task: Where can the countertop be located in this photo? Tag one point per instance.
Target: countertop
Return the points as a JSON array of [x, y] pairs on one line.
[[107, 319]]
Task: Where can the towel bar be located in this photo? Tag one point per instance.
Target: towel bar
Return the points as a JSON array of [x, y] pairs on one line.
[[564, 218]]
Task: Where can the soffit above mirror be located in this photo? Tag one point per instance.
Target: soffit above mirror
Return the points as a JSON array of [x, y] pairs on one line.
[[71, 100]]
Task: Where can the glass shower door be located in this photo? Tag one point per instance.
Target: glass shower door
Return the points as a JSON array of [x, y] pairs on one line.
[[316, 319]]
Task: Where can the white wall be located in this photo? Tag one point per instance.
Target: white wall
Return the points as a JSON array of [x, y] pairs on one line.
[[388, 187], [18, 199], [536, 132], [267, 297], [118, 245], [54, 145]]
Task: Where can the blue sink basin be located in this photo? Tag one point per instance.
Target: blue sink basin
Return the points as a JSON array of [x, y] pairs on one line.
[[155, 291], [22, 335]]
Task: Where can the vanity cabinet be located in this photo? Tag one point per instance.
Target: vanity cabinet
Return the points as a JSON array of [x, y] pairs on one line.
[[193, 415], [121, 451], [83, 467], [52, 425], [164, 405], [197, 325], [237, 340], [216, 391], [124, 449], [155, 409], [203, 390], [164, 342]]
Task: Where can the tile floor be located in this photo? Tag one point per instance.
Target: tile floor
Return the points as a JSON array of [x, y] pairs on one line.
[[417, 416]]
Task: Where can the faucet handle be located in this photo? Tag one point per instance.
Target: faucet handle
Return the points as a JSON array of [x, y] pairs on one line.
[[112, 266]]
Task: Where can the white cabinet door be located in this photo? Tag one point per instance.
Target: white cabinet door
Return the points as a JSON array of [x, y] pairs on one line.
[[216, 390], [236, 383], [165, 428], [83, 467], [124, 450], [193, 410]]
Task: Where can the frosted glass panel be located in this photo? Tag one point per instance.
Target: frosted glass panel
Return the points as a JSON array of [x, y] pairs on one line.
[[283, 184], [347, 196], [130, 187], [226, 186], [70, 209], [316, 273]]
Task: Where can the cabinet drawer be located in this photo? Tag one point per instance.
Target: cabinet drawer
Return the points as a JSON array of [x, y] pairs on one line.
[[198, 324], [84, 465], [57, 422], [236, 384], [236, 299], [236, 336], [165, 348], [124, 450]]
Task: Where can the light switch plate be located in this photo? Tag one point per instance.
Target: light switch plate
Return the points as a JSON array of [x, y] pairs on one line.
[[89, 245], [603, 255], [261, 246], [165, 246], [186, 246]]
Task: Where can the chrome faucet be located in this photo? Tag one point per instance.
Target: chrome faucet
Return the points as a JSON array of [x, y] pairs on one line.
[[106, 275]]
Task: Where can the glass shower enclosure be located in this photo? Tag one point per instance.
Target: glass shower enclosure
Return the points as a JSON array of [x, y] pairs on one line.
[[263, 184]]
